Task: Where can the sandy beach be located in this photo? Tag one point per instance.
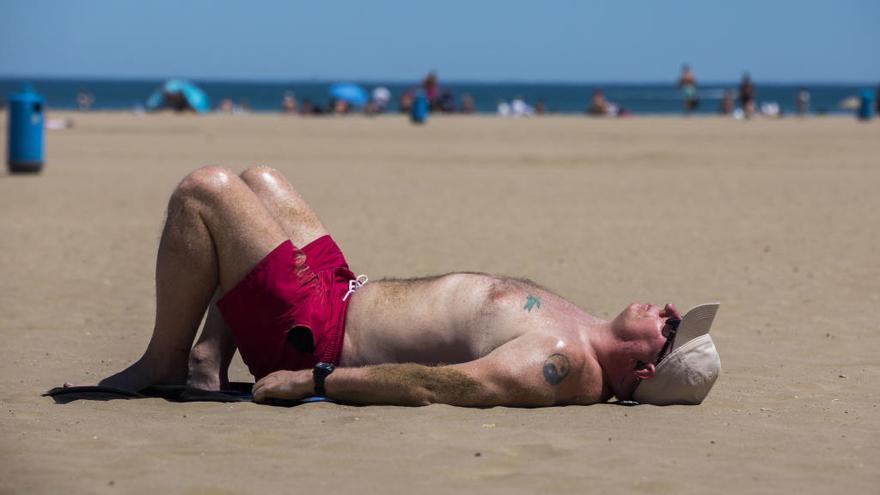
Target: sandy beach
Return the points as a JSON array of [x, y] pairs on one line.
[[776, 219]]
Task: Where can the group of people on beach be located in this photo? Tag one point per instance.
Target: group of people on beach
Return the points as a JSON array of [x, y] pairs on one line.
[[439, 99], [739, 102], [744, 98], [687, 81]]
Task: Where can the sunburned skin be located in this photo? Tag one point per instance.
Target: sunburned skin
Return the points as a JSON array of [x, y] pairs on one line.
[[462, 317], [451, 319]]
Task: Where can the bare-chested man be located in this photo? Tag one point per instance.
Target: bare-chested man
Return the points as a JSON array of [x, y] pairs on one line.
[[305, 325]]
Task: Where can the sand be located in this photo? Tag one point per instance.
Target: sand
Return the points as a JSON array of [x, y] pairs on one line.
[[775, 219]]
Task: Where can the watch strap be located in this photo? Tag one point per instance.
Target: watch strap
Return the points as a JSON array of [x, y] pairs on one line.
[[319, 375]]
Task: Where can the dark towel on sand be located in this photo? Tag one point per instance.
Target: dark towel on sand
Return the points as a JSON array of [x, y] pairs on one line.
[[236, 392]]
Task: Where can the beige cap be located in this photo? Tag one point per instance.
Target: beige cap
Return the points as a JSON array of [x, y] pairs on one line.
[[688, 372]]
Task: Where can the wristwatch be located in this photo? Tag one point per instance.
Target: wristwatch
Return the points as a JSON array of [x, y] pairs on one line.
[[319, 374]]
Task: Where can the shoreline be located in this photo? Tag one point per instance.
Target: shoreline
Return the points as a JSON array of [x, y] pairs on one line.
[[69, 113]]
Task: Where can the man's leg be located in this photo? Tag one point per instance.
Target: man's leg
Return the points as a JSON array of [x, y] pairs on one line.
[[217, 230], [210, 357], [288, 208]]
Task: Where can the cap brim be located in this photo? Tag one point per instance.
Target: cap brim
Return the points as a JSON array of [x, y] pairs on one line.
[[687, 373], [697, 321]]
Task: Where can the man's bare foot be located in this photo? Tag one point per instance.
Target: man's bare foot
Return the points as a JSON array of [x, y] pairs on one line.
[[203, 380], [135, 378], [204, 373]]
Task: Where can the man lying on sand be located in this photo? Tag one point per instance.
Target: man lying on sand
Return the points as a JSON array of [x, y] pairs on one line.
[[305, 325]]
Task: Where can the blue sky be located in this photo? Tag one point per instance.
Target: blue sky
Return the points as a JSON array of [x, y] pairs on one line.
[[572, 41]]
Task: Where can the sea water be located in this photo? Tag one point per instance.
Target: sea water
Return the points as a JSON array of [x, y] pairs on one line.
[[653, 98]]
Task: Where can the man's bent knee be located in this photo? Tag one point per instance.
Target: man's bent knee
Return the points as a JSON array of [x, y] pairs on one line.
[[260, 176], [204, 183]]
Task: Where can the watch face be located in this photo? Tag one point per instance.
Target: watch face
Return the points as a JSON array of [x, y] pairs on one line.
[[324, 368]]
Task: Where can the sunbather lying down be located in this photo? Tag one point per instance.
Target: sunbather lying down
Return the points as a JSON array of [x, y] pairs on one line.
[[248, 250]]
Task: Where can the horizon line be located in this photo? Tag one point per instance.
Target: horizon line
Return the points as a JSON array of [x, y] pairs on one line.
[[394, 81]]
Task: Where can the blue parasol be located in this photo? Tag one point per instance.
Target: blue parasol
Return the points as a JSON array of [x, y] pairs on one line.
[[178, 94], [352, 93]]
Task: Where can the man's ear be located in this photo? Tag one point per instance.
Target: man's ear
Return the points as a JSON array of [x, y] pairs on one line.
[[646, 372]]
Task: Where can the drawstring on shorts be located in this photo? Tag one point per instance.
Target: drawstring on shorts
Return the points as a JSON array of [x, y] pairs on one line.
[[355, 284]]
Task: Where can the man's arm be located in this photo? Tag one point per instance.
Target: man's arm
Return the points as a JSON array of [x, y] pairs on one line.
[[526, 372]]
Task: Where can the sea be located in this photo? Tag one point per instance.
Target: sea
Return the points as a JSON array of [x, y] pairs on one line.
[[564, 98]]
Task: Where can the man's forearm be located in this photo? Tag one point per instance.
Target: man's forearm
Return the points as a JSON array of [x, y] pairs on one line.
[[405, 385]]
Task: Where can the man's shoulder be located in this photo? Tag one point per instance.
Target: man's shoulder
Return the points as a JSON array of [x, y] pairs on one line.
[[566, 361]]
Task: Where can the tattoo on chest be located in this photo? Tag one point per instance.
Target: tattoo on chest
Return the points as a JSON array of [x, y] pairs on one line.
[[532, 302], [556, 368]]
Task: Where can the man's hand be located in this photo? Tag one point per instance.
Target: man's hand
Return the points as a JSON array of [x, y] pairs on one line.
[[288, 385]]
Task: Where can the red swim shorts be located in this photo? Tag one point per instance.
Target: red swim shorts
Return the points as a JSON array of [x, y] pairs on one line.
[[288, 313]]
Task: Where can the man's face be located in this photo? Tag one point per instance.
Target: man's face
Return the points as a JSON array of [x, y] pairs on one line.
[[639, 330], [644, 322]]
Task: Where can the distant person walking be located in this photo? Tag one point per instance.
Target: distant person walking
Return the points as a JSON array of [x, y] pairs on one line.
[[687, 81], [747, 95]]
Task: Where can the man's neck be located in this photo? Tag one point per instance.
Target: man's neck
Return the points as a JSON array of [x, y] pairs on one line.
[[607, 350]]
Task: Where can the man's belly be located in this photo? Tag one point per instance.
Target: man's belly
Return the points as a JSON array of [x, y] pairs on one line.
[[413, 326], [427, 328], [370, 344]]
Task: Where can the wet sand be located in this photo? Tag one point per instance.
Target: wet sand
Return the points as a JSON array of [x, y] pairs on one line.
[[775, 219]]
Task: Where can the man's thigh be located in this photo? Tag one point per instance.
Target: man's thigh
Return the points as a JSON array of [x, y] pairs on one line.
[[242, 230], [286, 205]]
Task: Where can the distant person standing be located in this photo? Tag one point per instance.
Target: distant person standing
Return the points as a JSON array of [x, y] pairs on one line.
[[747, 95], [687, 81], [727, 103], [432, 91], [802, 101]]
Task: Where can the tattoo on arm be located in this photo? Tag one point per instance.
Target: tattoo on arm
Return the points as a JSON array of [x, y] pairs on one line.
[[556, 368], [532, 302]]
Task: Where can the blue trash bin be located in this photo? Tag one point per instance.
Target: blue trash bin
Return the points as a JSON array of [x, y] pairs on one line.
[[866, 105], [25, 140], [418, 113]]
